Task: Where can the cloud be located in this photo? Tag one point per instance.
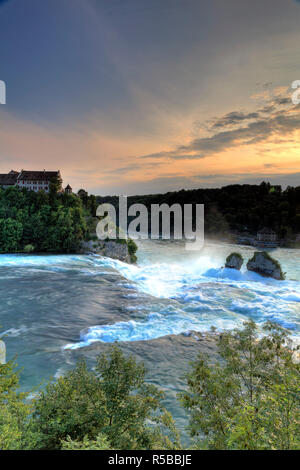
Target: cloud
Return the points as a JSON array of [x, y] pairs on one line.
[[258, 131], [277, 118], [235, 117]]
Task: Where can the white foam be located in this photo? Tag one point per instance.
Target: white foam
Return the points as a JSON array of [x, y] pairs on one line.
[[14, 332], [185, 292], [206, 296]]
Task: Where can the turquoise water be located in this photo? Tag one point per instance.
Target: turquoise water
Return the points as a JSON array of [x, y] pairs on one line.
[[55, 309]]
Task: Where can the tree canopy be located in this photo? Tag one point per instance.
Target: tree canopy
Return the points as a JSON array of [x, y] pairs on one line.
[[40, 222]]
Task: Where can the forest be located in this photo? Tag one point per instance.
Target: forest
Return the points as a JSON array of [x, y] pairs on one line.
[[235, 208], [40, 222]]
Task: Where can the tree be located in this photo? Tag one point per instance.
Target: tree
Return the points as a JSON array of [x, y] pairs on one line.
[[55, 186], [14, 413], [113, 400], [50, 224], [83, 196], [10, 234], [100, 443], [250, 399]]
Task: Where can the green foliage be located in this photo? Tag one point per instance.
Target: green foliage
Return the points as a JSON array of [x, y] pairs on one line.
[[40, 222], [29, 248], [54, 222], [100, 443], [250, 399], [55, 186], [234, 208], [10, 234], [132, 249], [14, 413], [113, 400]]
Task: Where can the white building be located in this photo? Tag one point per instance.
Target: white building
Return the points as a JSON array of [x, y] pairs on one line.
[[31, 180], [37, 180]]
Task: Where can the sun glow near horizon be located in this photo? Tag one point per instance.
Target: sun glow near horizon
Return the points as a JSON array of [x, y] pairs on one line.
[[123, 104]]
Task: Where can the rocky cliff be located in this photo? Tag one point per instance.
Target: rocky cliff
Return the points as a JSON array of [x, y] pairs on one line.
[[116, 249]]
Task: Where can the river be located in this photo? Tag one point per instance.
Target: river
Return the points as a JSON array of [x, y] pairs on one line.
[[56, 309]]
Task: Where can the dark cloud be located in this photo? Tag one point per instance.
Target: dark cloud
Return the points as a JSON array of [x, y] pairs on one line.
[[282, 100], [254, 132], [237, 128], [269, 108], [233, 118], [237, 117]]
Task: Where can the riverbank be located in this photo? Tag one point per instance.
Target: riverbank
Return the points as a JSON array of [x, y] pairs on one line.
[[122, 250]]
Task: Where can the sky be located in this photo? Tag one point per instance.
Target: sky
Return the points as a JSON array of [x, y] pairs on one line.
[[147, 96]]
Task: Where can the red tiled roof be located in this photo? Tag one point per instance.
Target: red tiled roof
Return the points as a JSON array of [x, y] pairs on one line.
[[38, 175], [9, 179]]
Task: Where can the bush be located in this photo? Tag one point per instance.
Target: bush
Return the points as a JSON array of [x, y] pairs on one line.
[[113, 400], [132, 249], [29, 248], [100, 443], [48, 223], [15, 433], [251, 399]]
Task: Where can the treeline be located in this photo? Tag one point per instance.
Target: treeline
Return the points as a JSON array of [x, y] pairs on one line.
[[41, 222], [235, 208], [248, 400]]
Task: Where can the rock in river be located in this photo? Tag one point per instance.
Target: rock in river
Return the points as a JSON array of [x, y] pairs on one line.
[[234, 261], [262, 263]]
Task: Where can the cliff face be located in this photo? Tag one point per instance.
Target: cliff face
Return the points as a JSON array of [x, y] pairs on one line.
[[111, 249]]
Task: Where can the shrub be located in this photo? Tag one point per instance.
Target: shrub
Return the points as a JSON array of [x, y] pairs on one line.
[[132, 249], [29, 248], [14, 413], [113, 400], [250, 399]]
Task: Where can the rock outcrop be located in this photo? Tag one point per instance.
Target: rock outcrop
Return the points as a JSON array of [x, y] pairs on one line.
[[234, 261], [111, 249], [263, 264]]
